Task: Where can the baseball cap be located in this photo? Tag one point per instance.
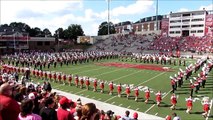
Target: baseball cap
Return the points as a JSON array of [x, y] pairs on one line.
[[64, 100], [135, 115]]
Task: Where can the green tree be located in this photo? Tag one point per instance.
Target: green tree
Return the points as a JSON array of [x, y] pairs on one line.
[[47, 32], [59, 32], [103, 28], [73, 31]]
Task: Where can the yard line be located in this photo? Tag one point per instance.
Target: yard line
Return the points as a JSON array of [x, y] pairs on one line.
[[156, 113], [107, 72], [209, 109], [128, 107], [99, 98], [89, 70], [120, 104], [137, 109], [155, 104], [126, 75], [112, 102]]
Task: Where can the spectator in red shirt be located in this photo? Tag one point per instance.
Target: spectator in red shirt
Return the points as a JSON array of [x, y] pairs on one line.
[[62, 112], [10, 108]]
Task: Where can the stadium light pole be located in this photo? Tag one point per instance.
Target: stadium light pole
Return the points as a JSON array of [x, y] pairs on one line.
[[156, 14], [108, 6]]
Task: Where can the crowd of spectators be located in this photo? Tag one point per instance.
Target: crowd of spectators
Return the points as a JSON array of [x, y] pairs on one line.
[[24, 100]]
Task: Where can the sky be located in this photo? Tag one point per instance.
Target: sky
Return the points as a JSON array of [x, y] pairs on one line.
[[53, 14]]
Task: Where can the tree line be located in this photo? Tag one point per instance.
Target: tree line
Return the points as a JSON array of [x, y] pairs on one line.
[[70, 33]]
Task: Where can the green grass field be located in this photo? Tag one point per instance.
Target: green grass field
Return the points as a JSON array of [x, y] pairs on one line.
[[155, 80]]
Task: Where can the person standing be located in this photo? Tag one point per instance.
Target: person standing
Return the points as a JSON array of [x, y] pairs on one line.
[[158, 98], [189, 104], [127, 91], [173, 101], [136, 93], [95, 85], [119, 90], [10, 108], [102, 86], [111, 88], [147, 95]]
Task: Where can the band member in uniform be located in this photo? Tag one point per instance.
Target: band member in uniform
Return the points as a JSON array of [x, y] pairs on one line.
[[70, 79], [95, 85], [173, 101], [50, 76], [54, 76], [119, 89], [147, 95], [127, 91], [158, 98], [76, 80], [136, 93], [111, 88], [59, 78], [205, 103], [87, 82], [45, 75], [81, 82], [189, 104], [102, 86], [64, 78]]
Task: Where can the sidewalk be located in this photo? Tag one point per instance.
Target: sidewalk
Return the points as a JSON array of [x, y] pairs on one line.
[[105, 106]]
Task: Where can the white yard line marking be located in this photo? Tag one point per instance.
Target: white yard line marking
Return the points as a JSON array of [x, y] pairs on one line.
[[112, 102], [155, 104], [89, 70], [93, 97], [128, 107], [126, 75], [156, 113], [107, 72], [99, 98], [137, 109], [120, 105], [209, 109]]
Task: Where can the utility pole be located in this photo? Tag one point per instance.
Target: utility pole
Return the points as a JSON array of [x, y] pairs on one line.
[[108, 3], [157, 15]]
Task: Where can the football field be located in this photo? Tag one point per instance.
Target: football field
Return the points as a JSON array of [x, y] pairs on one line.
[[142, 75]]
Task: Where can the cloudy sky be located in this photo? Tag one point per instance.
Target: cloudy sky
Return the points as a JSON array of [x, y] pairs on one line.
[[53, 14]]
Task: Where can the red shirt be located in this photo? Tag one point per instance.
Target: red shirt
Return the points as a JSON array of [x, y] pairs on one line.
[[11, 108], [127, 90], [64, 114]]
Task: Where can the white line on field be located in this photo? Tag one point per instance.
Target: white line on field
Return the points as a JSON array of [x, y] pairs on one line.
[[93, 97], [128, 107], [89, 70], [112, 102], [120, 105], [156, 113], [155, 104], [209, 109], [99, 98], [137, 109], [107, 72]]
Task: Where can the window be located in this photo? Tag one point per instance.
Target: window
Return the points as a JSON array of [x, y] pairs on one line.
[[193, 31], [47, 43], [177, 32], [186, 20], [185, 26], [198, 19], [171, 32], [198, 13], [175, 21], [175, 15], [197, 25], [200, 31], [188, 14], [174, 26], [39, 43]]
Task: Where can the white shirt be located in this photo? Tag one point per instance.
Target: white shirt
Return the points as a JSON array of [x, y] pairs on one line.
[[176, 118]]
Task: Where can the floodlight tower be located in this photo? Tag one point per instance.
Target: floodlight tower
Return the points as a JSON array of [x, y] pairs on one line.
[[108, 6], [156, 14]]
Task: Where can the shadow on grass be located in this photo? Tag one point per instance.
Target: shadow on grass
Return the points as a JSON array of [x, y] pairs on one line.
[[151, 102], [197, 112], [178, 93], [211, 116], [181, 109]]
